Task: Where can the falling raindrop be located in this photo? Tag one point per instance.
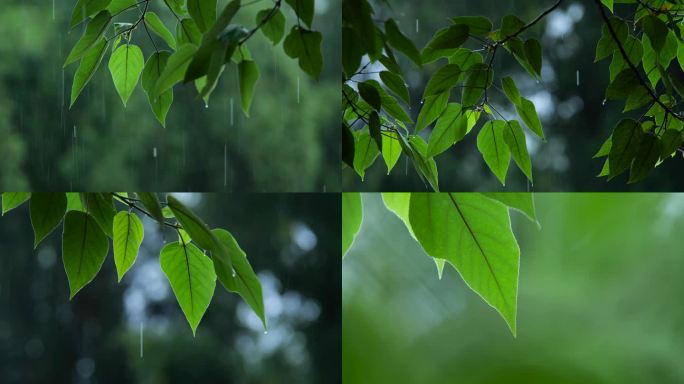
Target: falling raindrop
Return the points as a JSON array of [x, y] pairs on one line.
[[232, 116], [417, 26], [298, 89], [234, 273], [156, 166], [603, 102], [53, 10], [141, 339], [577, 73], [154, 152]]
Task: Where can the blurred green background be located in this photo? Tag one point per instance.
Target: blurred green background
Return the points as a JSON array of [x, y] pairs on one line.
[[599, 300], [575, 121], [293, 243], [287, 145]]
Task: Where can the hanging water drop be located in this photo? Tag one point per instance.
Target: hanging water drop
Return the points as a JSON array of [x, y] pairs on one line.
[[265, 332], [206, 105], [603, 102], [234, 273]]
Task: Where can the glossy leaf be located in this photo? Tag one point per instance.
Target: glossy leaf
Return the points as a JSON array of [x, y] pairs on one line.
[[157, 26], [126, 65], [391, 149], [514, 137], [248, 73], [86, 69], [11, 200], [128, 236], [84, 249], [101, 208], [474, 234], [192, 278], [492, 145], [451, 127], [92, 35], [528, 113], [47, 211], [153, 69], [365, 152], [432, 108]]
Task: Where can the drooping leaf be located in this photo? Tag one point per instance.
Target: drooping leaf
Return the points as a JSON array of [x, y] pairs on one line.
[[474, 234], [391, 149], [248, 75], [478, 80], [84, 249], [626, 141], [126, 65], [511, 90], [11, 200], [86, 69], [370, 95], [514, 137], [396, 84], [352, 217], [533, 52], [443, 80], [670, 141], [274, 27], [192, 278], [128, 235], [402, 43], [646, 158], [477, 25], [528, 113], [92, 35], [153, 69], [491, 143], [244, 281], [374, 129], [47, 210], [365, 152], [305, 45], [444, 43], [304, 9]]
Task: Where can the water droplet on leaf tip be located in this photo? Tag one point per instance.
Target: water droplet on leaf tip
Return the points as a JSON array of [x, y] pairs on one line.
[[603, 102]]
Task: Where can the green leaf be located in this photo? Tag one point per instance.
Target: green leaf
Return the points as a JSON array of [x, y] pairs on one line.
[[432, 108], [274, 28], [514, 137], [444, 43], [304, 9], [86, 69], [365, 152], [510, 25], [626, 141], [248, 74], [528, 113], [670, 141], [646, 158], [84, 249], [352, 217], [402, 43], [398, 203], [608, 3], [511, 90], [370, 94], [374, 129], [192, 278], [153, 69], [465, 59], [474, 234], [187, 32], [222, 23], [92, 35], [11, 200], [450, 128], [396, 84], [491, 143], [126, 65], [117, 6], [74, 202], [86, 8], [47, 211], [477, 25], [128, 235], [199, 231], [480, 77], [623, 85], [244, 281], [655, 29], [533, 52], [443, 80], [175, 69], [426, 166], [157, 26], [101, 207], [391, 149], [151, 202], [305, 45], [520, 201], [203, 12], [390, 104]]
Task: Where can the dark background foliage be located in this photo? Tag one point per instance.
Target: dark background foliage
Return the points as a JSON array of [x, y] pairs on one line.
[[293, 243], [574, 118], [285, 146]]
